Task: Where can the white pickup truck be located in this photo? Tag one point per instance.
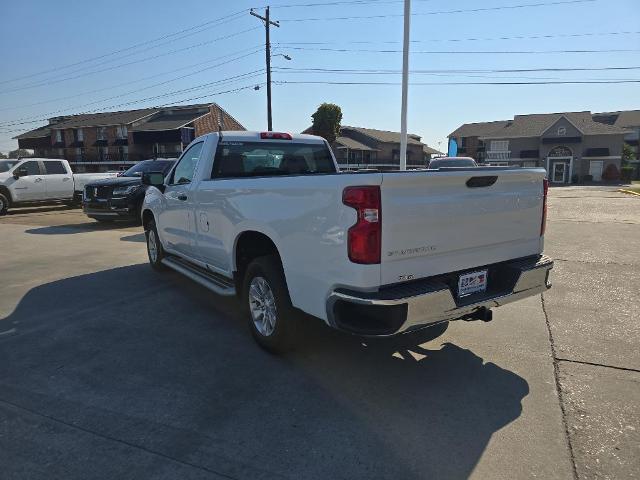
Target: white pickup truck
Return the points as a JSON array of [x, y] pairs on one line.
[[40, 180], [269, 217]]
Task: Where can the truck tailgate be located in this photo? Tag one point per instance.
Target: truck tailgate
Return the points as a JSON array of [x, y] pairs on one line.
[[434, 222]]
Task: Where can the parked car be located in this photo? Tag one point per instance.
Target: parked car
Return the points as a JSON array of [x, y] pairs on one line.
[[120, 197], [452, 162], [41, 180], [267, 217]]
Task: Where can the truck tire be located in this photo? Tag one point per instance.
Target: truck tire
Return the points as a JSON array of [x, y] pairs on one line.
[[4, 204], [272, 318], [154, 247]]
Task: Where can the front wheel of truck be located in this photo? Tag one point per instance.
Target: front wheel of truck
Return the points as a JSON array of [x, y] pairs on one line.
[[272, 318], [155, 252]]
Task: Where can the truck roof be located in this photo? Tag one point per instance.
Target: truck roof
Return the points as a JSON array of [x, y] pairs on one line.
[[247, 136]]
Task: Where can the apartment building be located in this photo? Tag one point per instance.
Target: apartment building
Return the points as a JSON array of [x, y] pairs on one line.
[[572, 146], [106, 141]]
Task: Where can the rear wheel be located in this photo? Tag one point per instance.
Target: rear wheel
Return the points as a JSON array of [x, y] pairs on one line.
[[155, 251], [272, 318], [4, 204]]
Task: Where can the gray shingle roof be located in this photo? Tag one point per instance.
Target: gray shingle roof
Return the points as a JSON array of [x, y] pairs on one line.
[[352, 144], [622, 119], [384, 136], [431, 151], [37, 133], [104, 118], [165, 121], [535, 125]]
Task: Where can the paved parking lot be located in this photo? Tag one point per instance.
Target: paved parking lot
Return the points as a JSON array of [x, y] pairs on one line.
[[110, 370]]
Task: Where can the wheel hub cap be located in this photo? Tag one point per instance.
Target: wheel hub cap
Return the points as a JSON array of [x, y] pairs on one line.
[[152, 246], [262, 305]]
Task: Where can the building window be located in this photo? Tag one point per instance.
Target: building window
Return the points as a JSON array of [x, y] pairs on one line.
[[79, 154], [79, 136], [103, 154], [59, 136], [123, 151], [61, 152], [562, 131], [102, 133], [121, 131], [499, 145]]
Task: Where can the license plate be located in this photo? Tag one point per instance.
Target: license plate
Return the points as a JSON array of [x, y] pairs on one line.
[[472, 282]]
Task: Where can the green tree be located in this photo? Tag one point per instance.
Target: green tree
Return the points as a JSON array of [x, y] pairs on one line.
[[627, 154], [19, 153], [326, 121]]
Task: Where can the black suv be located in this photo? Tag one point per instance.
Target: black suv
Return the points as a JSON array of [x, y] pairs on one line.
[[120, 198]]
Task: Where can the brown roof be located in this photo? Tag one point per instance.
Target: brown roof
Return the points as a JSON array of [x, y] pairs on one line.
[[535, 125], [384, 136], [104, 118]]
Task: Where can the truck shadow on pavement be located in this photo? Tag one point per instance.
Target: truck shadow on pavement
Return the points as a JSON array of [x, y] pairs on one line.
[[70, 229], [101, 369]]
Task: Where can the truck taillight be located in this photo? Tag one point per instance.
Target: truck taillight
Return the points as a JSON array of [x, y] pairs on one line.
[[545, 188], [275, 136], [364, 239]]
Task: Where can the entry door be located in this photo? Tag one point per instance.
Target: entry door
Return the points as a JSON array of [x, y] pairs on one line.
[[31, 187], [559, 172], [176, 221], [595, 170], [58, 181]]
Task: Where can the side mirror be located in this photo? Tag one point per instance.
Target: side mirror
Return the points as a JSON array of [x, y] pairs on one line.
[[20, 172], [153, 179]]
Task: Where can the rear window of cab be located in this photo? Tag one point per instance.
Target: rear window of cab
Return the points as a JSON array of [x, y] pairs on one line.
[[263, 159]]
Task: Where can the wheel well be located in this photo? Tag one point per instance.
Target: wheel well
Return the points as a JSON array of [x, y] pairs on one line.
[[252, 245], [147, 216], [6, 192]]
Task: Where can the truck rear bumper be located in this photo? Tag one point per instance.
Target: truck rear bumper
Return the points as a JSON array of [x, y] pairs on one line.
[[399, 308]]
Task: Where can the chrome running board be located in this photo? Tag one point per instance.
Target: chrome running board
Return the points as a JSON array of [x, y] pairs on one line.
[[213, 281]]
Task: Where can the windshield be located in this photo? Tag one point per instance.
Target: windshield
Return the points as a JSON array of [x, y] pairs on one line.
[[148, 166], [259, 159], [6, 165], [453, 162]]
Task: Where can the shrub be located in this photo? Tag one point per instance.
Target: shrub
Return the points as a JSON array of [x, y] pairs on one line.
[[626, 174], [611, 173]]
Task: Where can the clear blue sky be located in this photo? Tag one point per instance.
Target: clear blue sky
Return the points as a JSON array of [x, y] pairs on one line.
[[38, 36]]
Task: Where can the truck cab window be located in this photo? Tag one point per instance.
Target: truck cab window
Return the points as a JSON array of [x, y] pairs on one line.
[[186, 167], [32, 167], [54, 168], [263, 159]]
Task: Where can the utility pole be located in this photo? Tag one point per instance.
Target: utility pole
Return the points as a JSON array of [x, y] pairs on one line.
[[267, 23], [405, 85]]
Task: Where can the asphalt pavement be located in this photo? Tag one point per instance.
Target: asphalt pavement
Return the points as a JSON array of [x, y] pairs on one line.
[[111, 370]]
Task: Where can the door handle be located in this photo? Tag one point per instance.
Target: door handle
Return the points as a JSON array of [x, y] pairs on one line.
[[65, 179], [182, 197], [38, 180]]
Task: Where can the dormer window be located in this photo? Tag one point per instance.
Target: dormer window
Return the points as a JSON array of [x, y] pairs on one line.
[[562, 131]]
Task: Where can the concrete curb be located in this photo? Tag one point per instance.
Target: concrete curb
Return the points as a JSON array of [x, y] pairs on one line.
[[628, 192]]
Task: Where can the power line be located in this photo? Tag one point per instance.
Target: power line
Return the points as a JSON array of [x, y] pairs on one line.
[[563, 82], [466, 52], [216, 21], [472, 39], [50, 114], [233, 79], [441, 12], [173, 103], [173, 70], [504, 70], [189, 47]]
